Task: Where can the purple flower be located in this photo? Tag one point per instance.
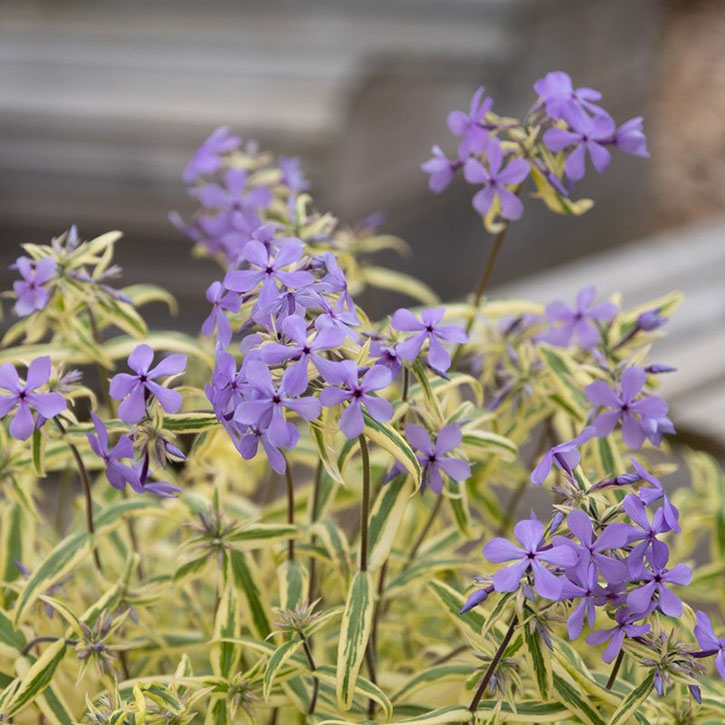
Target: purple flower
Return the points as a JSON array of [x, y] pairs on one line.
[[337, 316], [220, 300], [646, 533], [649, 495], [31, 291], [303, 350], [642, 599], [470, 125], [566, 456], [615, 636], [292, 174], [630, 138], [163, 489], [23, 395], [234, 196], [249, 444], [529, 534], [495, 180], [386, 355], [432, 456], [225, 389], [557, 93], [583, 586], [266, 267], [118, 474], [587, 135], [590, 552], [349, 387], [623, 406], [133, 389], [427, 328], [265, 403], [206, 158], [441, 170], [335, 279], [578, 322], [710, 642]]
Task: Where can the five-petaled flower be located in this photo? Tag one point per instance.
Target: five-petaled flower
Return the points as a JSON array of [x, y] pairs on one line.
[[642, 599], [265, 403], [206, 159], [470, 125], [580, 322], [118, 474], [635, 414], [345, 376], [586, 135], [32, 291], [132, 390], [625, 627], [558, 95], [529, 533], [25, 397], [496, 180], [433, 458], [428, 327], [565, 456]]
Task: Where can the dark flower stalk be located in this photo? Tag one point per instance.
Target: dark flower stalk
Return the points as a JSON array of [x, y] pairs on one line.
[[365, 510], [494, 664], [311, 662], [290, 510], [86, 483], [615, 670]]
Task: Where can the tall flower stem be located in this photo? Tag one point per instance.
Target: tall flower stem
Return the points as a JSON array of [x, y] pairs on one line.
[[290, 509], [86, 484], [494, 664], [365, 510], [482, 286], [424, 532], [311, 662], [313, 518], [615, 670]]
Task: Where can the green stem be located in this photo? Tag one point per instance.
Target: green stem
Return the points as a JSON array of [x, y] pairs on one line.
[[365, 510], [86, 484], [482, 286], [615, 669], [426, 528], [311, 662], [290, 509], [494, 664], [313, 518]]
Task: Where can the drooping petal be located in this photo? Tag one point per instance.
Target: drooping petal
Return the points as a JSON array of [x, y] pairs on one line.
[[351, 421], [511, 206], [574, 166], [669, 603], [22, 424], [438, 357], [508, 579], [540, 473], [605, 423], [307, 408], [133, 407], [379, 408], [547, 585], [633, 433], [639, 599]]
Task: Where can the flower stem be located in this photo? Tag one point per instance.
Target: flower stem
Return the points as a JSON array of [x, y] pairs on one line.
[[426, 528], [482, 285], [311, 662], [365, 511], [40, 640], [494, 664], [313, 518], [86, 483], [615, 670], [290, 509]]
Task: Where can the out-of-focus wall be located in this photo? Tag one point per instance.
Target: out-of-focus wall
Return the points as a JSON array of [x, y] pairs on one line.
[[101, 103]]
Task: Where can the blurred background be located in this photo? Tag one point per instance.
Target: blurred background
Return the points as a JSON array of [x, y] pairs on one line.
[[102, 103]]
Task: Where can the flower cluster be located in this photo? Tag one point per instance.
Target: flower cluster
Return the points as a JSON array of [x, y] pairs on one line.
[[562, 128]]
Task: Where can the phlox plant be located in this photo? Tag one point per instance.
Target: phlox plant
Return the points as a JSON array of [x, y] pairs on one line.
[[305, 515]]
